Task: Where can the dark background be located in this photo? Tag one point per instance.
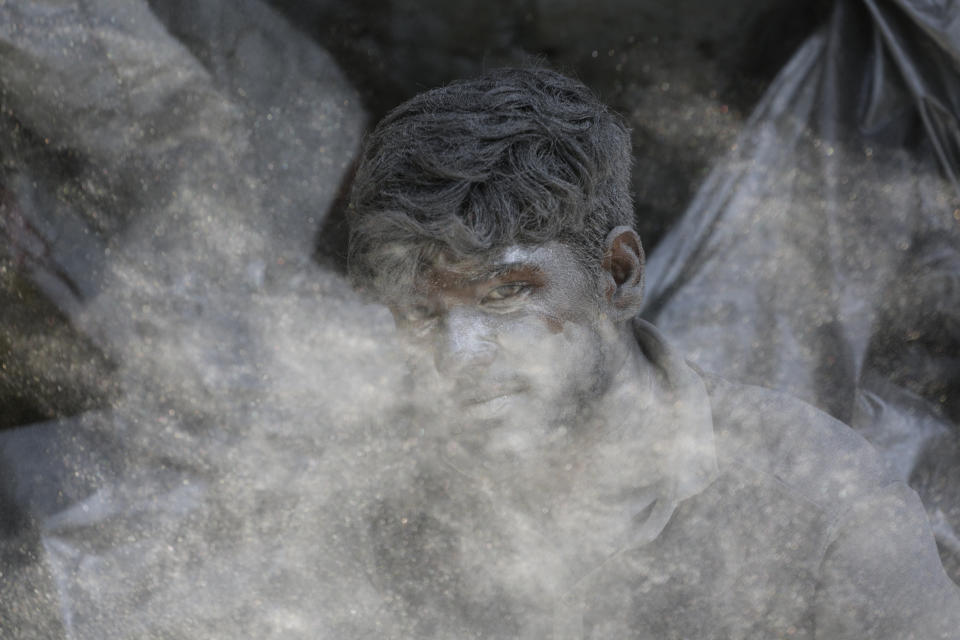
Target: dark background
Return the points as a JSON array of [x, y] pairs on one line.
[[684, 73]]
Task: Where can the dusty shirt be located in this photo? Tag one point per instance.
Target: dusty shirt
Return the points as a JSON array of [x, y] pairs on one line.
[[789, 528], [799, 536]]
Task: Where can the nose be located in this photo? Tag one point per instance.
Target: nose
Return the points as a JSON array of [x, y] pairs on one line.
[[464, 342]]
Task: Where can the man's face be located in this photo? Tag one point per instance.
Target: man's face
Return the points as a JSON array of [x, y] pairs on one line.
[[519, 340]]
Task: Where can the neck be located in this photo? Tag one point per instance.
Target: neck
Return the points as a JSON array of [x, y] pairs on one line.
[[630, 390]]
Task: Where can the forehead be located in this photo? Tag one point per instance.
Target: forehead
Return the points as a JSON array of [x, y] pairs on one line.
[[550, 263]]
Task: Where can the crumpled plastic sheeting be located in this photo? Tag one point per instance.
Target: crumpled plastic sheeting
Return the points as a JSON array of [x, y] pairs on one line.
[[822, 256], [204, 153], [257, 412]]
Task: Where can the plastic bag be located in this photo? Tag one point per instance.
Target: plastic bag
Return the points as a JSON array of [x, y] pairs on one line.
[[822, 256]]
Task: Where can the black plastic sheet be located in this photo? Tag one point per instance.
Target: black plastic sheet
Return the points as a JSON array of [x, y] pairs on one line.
[[822, 255], [163, 183]]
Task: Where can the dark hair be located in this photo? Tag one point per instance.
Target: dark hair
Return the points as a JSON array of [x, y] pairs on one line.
[[517, 156]]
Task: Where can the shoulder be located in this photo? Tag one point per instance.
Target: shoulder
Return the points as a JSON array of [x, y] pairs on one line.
[[815, 456]]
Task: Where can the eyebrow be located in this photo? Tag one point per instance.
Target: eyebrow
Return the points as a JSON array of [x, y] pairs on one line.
[[499, 271], [469, 277]]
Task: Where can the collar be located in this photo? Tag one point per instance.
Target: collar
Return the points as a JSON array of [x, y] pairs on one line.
[[682, 420], [678, 431]]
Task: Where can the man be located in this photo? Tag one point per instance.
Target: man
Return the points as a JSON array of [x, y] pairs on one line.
[[588, 482]]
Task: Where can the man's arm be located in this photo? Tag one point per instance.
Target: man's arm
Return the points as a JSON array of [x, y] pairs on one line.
[[881, 576]]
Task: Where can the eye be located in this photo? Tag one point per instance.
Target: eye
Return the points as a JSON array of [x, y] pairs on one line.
[[506, 291], [415, 318], [418, 314]]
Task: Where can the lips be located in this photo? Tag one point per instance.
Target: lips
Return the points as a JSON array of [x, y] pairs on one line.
[[475, 397], [493, 409], [476, 402]]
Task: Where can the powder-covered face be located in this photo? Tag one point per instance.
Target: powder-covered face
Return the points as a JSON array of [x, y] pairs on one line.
[[519, 340]]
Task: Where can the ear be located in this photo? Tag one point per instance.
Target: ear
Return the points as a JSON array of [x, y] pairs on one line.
[[623, 262]]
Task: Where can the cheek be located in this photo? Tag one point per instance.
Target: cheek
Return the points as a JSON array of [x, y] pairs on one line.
[[534, 348], [553, 325], [581, 350], [557, 358]]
